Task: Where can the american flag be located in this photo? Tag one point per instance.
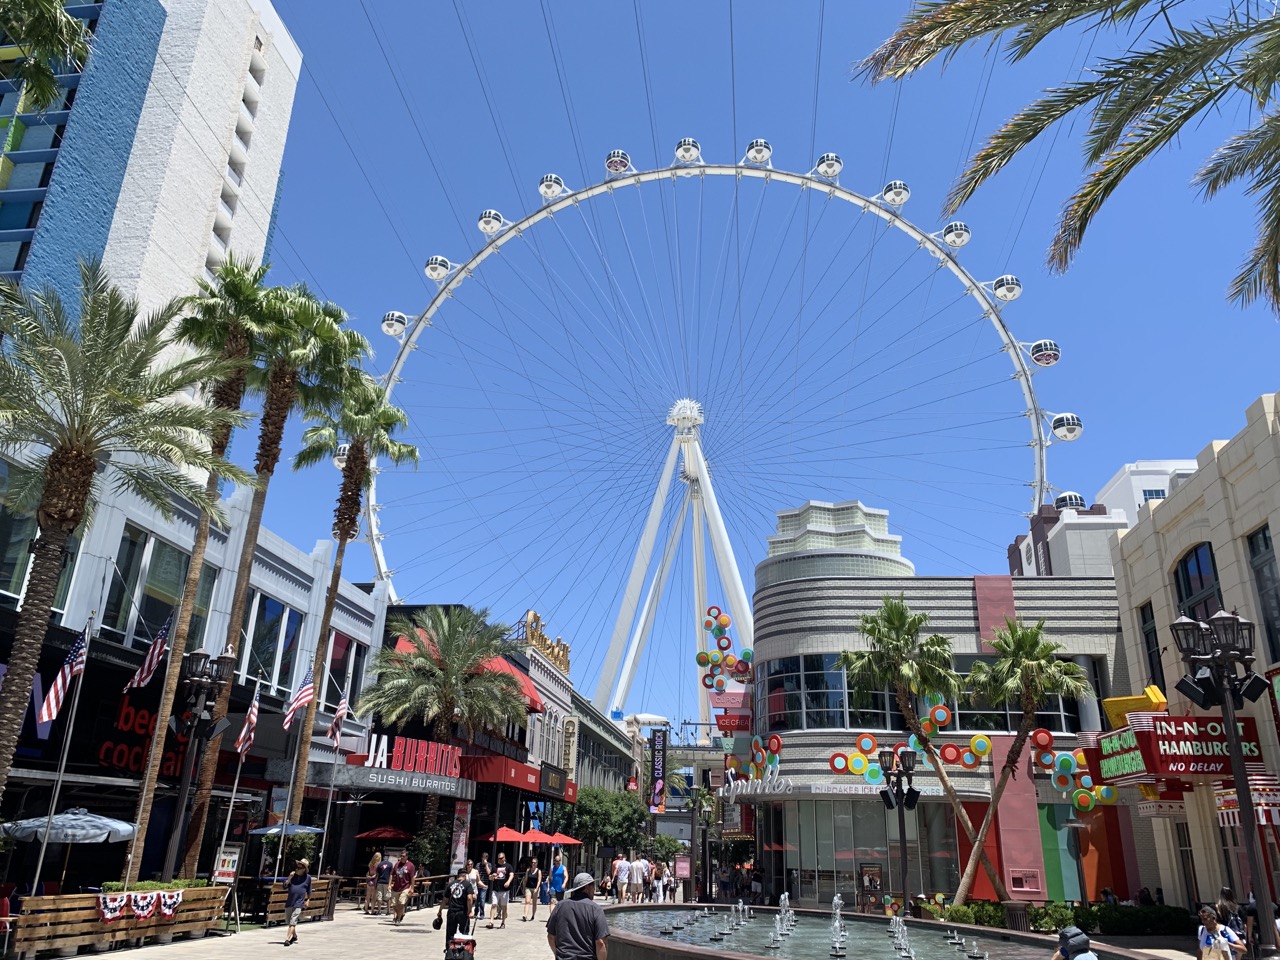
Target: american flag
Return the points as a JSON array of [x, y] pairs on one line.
[[71, 668], [245, 740], [335, 728], [152, 660], [305, 693]]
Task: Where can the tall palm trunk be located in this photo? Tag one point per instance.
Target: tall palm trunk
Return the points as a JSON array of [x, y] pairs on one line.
[[281, 395], [962, 816], [67, 482], [228, 395], [1007, 773], [346, 520]]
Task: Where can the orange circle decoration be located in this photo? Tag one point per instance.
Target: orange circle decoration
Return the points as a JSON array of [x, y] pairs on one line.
[[1083, 800], [1044, 759], [1080, 759], [1042, 738], [708, 624], [1063, 781], [729, 661], [941, 714], [723, 620], [968, 760], [713, 612], [950, 753], [775, 743], [927, 728], [702, 659], [866, 743], [839, 763]]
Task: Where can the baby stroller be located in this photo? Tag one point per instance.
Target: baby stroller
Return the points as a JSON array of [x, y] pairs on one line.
[[461, 947]]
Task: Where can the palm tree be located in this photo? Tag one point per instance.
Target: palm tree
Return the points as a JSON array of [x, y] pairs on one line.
[[305, 353], [1169, 78], [1026, 671], [897, 660], [86, 401], [225, 318], [444, 677], [365, 420], [52, 41]]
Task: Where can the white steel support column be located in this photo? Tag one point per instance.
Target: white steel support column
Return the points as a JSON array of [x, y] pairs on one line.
[[730, 577], [700, 597], [644, 625], [644, 554]]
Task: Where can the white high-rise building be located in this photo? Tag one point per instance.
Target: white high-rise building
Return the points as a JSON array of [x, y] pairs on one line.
[[1141, 482], [162, 156]]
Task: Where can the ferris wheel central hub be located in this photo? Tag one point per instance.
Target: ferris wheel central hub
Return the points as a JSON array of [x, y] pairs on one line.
[[685, 414]]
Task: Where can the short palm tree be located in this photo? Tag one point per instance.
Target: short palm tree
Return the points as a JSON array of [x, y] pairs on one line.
[[360, 428], [444, 678], [1169, 79], [227, 317], [305, 353], [1026, 671], [86, 401], [51, 40], [898, 660]]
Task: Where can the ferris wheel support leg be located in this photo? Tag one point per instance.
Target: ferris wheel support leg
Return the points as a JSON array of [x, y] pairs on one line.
[[630, 599], [644, 626], [730, 576], [700, 599]]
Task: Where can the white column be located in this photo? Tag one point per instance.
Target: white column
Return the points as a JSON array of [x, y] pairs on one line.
[[700, 599], [644, 553], [730, 576]]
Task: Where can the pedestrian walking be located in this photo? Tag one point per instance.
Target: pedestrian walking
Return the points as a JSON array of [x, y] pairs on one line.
[[371, 883], [297, 889], [401, 886], [635, 887], [621, 878], [385, 866], [578, 930], [500, 884], [484, 872], [459, 899], [558, 879], [532, 880]]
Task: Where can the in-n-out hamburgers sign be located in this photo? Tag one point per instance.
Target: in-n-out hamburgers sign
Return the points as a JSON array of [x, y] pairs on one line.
[[1156, 747]]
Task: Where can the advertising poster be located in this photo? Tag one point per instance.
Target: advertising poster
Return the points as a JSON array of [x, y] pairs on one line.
[[461, 825], [227, 864], [683, 868], [658, 772]]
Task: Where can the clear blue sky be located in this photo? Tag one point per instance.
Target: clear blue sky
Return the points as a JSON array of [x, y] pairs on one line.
[[834, 362]]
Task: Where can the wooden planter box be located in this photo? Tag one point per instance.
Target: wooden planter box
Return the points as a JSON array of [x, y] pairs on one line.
[[71, 921], [320, 906]]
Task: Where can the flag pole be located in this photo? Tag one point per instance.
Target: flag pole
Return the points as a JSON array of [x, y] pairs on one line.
[[231, 809], [284, 824], [62, 760], [333, 776]]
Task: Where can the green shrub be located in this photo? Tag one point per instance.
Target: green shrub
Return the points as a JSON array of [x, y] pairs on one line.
[[959, 913], [1145, 921], [1051, 917], [988, 914], [115, 886], [1086, 918], [934, 910]]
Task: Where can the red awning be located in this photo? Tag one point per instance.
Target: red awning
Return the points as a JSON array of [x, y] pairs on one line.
[[502, 665], [505, 835], [564, 840], [384, 833], [537, 836]]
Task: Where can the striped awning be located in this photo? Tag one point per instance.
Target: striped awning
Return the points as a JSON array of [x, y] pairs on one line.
[[1264, 789]]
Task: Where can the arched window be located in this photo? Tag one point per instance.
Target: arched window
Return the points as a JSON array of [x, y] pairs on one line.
[[1196, 580]]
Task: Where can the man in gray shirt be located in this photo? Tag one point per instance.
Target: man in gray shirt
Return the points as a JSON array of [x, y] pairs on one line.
[[577, 929]]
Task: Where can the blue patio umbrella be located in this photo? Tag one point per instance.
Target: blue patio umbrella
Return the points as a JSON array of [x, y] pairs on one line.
[[290, 830]]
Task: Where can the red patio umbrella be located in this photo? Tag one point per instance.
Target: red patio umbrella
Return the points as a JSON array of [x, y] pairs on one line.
[[384, 833], [563, 840], [537, 836], [505, 835]]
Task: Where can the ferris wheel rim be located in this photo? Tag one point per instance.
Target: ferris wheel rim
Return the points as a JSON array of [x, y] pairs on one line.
[[874, 204]]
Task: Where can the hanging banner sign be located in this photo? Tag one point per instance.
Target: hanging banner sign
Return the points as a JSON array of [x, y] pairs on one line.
[[729, 722], [461, 826], [658, 772]]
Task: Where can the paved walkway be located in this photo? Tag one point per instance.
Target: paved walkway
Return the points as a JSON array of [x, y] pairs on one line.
[[352, 935]]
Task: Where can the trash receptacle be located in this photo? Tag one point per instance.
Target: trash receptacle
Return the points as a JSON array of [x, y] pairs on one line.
[[1015, 915]]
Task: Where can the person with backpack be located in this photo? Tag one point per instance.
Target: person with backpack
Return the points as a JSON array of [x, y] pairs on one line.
[[1231, 914], [459, 898], [1216, 941]]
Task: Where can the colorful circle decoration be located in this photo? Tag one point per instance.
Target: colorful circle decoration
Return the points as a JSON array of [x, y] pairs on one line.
[[914, 743], [1106, 793], [717, 632], [1044, 760], [729, 661], [1064, 763], [980, 745], [1083, 799], [713, 612], [866, 743], [895, 906], [939, 898], [723, 620], [747, 656], [1063, 781], [708, 623], [874, 774], [719, 684], [1084, 782], [1080, 759], [742, 666], [969, 761], [702, 659], [927, 727], [887, 899], [1042, 738], [950, 753], [724, 643], [715, 656], [941, 714], [900, 746], [839, 763], [858, 763], [708, 681], [775, 743]]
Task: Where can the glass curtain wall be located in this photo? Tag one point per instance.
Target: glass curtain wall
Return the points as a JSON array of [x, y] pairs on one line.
[[146, 587]]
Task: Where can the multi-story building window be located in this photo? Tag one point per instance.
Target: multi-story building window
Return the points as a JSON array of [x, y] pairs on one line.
[[273, 632], [1266, 579], [146, 588], [1151, 645], [347, 658], [1154, 494], [16, 534], [1196, 580]]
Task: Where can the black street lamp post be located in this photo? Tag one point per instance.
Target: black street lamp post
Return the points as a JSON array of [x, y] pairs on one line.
[[896, 770], [203, 678], [1212, 651]]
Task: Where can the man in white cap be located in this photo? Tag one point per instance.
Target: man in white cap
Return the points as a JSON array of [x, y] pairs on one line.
[[577, 929]]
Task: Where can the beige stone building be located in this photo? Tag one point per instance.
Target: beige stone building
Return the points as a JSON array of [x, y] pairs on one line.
[[1206, 546]]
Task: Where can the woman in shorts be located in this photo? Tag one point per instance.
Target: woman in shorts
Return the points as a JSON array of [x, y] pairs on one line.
[[532, 881], [371, 884]]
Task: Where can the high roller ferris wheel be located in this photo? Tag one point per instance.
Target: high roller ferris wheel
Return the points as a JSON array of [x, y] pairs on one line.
[[686, 457]]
